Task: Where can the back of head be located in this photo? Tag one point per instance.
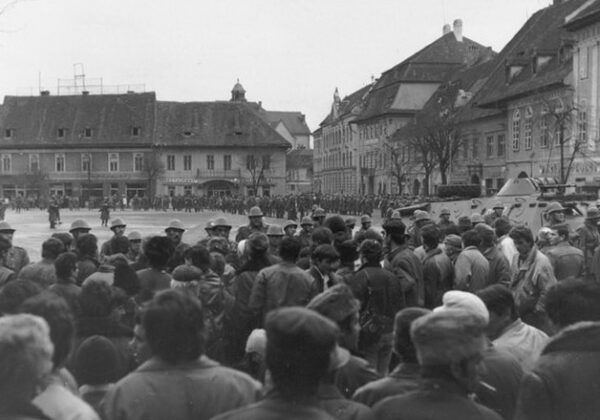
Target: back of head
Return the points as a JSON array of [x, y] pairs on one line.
[[87, 244], [395, 229], [325, 252], [174, 323], [335, 224], [25, 357], [96, 361], [471, 238], [217, 263], [199, 256], [347, 251], [572, 301], [403, 345], [257, 244], [96, 299], [562, 229], [487, 235], [371, 250], [218, 244], [15, 293], [289, 248], [64, 266], [299, 346], [502, 227], [521, 233], [126, 279], [431, 235], [56, 312], [158, 250], [498, 299], [447, 336], [65, 238], [321, 235]]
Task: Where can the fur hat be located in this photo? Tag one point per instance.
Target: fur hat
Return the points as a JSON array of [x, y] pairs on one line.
[[96, 361], [257, 243], [457, 299], [335, 224]]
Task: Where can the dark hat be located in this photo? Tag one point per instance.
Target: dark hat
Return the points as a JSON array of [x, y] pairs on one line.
[[370, 248], [365, 218], [336, 303], [257, 243], [96, 361], [445, 210], [80, 224], [350, 222], [306, 220], [117, 223], [221, 221], [593, 213], [465, 222], [175, 224], [318, 212]]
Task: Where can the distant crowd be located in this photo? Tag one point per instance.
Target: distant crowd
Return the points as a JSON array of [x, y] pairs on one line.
[[321, 317]]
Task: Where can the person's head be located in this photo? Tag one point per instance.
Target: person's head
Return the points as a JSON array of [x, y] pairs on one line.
[[174, 327], [571, 301], [453, 339], [471, 238], [501, 307], [126, 278], [219, 244], [96, 362], [65, 238], [14, 293], [87, 245], [335, 224], [486, 234], [217, 263], [6, 231], [300, 343], [198, 256], [289, 249], [118, 227], [502, 227], [275, 234], [545, 237], [371, 252], [403, 345], [339, 305], [289, 228], [25, 358], [555, 213], [66, 267], [394, 232], [158, 250], [96, 299], [119, 245], [445, 215], [5, 246], [138, 346], [221, 228], [431, 235], [174, 231], [325, 258], [79, 227], [365, 221], [321, 235], [57, 314], [523, 239], [257, 245], [307, 224], [561, 233], [135, 242], [255, 216], [348, 253]]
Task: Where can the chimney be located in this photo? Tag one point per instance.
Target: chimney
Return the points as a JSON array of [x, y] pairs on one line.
[[458, 28], [85, 92], [446, 29], [45, 93]]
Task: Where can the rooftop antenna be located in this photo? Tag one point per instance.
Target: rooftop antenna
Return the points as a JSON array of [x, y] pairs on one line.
[[79, 75]]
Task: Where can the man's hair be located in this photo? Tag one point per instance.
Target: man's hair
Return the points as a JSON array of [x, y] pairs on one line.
[[325, 252], [403, 345], [431, 235], [562, 229], [502, 226], [65, 238], [289, 248], [64, 265], [174, 325], [87, 244], [126, 278], [158, 250], [335, 223], [15, 293], [347, 251], [321, 235], [395, 229], [199, 256], [471, 238], [52, 248], [371, 250], [56, 312], [571, 301], [96, 299], [299, 346], [498, 298], [217, 263], [521, 232]]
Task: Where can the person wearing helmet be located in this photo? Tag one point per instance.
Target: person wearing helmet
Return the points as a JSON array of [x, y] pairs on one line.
[[445, 222], [118, 243], [318, 217], [555, 214], [16, 257], [289, 228], [304, 236], [275, 234], [255, 216], [497, 213], [174, 231]]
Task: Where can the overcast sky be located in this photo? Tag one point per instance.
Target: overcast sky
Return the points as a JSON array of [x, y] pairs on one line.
[[288, 54]]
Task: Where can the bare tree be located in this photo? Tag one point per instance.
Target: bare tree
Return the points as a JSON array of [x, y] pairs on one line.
[[399, 166], [257, 168], [154, 168]]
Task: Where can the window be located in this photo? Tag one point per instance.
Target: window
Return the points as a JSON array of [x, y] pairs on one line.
[[34, 162], [61, 133], [501, 145], [136, 131], [489, 141], [475, 148], [465, 150], [170, 162], [210, 162], [138, 162], [266, 161], [527, 129], [582, 126], [583, 62], [59, 162], [113, 162], [87, 132], [187, 162], [251, 162], [85, 162], [8, 133], [6, 163], [227, 162], [544, 134], [516, 131]]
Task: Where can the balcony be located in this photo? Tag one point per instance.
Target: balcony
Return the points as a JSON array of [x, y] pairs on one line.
[[227, 175]]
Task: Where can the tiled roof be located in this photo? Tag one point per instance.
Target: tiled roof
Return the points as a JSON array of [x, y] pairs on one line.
[[544, 32], [433, 64], [220, 124], [294, 121], [588, 13], [348, 104], [36, 120]]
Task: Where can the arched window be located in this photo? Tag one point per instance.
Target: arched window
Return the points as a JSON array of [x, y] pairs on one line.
[[528, 128], [516, 131]]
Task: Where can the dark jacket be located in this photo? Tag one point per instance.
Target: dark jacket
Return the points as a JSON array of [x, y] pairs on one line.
[[319, 281], [354, 374], [499, 267], [403, 262], [403, 379], [565, 382], [438, 276], [333, 402]]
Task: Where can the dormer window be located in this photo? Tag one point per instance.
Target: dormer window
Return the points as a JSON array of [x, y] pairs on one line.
[[136, 131], [540, 61], [9, 133], [87, 132], [61, 133], [513, 71]]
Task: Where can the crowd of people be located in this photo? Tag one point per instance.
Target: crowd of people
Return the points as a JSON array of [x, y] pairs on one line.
[[328, 318]]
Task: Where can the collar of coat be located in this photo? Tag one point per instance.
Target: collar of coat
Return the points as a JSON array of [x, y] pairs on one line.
[[580, 337]]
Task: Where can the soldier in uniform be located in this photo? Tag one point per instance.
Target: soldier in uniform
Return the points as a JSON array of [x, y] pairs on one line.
[[588, 239], [118, 243], [555, 214], [497, 210], [78, 228], [289, 228], [445, 221], [318, 217], [256, 224], [365, 222], [16, 257], [350, 223], [174, 232], [304, 236]]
